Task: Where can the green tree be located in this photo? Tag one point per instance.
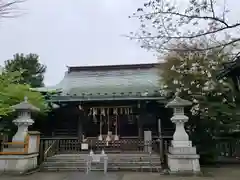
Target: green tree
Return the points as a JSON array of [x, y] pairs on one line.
[[11, 93], [164, 24], [214, 110], [32, 70]]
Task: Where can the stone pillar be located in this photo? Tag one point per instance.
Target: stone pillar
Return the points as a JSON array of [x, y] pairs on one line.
[[21, 154], [148, 141], [182, 157]]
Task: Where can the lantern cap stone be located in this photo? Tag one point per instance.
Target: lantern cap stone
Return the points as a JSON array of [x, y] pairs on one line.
[[178, 102], [25, 105]]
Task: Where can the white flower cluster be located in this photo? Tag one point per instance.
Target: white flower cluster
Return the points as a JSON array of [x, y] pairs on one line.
[[195, 77]]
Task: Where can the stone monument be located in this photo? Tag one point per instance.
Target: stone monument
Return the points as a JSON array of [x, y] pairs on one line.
[[21, 154], [182, 157]]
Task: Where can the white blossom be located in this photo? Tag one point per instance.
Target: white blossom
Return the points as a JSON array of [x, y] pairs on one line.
[[175, 81], [173, 68], [195, 109], [220, 81], [209, 74]]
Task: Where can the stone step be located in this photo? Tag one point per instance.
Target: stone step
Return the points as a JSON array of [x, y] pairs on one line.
[[110, 163], [77, 162], [109, 155], [83, 169], [109, 160]]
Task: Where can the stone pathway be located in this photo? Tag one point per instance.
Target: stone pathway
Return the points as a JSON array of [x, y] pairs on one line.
[[226, 173]]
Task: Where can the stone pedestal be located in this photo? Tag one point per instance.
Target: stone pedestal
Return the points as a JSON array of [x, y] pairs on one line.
[[17, 164], [20, 158], [182, 157], [183, 160]]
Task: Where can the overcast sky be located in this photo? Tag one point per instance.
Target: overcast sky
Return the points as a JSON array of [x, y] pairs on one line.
[[75, 32]]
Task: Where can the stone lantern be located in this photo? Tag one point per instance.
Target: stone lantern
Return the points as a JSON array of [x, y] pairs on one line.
[[23, 120], [182, 157]]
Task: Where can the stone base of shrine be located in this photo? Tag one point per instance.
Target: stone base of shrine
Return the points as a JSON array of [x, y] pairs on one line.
[[183, 160], [18, 164]]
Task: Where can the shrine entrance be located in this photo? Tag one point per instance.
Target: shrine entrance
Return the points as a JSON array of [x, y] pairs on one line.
[[113, 121]]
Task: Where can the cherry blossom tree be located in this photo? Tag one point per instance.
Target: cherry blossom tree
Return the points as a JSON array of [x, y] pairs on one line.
[[214, 109], [165, 24]]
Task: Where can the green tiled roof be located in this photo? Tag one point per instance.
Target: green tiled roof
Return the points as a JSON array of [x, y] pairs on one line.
[[119, 83]]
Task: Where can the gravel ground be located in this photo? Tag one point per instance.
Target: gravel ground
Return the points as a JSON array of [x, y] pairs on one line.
[[223, 173]]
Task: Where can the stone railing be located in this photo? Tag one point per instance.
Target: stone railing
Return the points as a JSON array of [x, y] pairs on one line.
[[228, 149]]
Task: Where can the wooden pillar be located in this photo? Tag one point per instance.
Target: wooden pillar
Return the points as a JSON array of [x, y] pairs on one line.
[[80, 127], [160, 139], [138, 125], [140, 120]]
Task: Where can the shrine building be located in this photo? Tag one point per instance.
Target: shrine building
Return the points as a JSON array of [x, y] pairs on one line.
[[108, 103]]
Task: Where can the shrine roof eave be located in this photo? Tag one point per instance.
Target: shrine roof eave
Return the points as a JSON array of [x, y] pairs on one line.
[[229, 68], [99, 98], [46, 89]]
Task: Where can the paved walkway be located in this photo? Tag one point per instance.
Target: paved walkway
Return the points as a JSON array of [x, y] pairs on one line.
[[226, 173]]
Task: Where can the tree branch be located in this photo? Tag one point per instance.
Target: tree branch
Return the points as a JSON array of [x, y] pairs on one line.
[[212, 8], [7, 7], [191, 17], [204, 49], [188, 37], [171, 26]]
